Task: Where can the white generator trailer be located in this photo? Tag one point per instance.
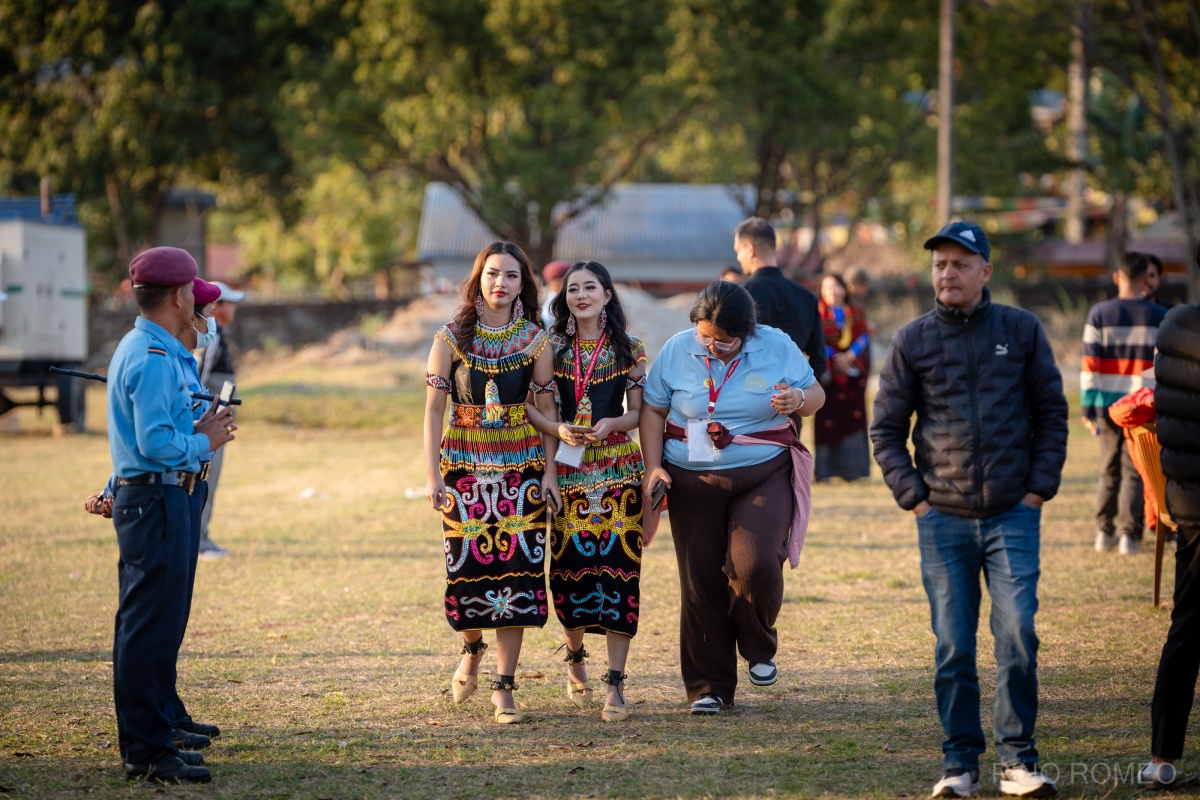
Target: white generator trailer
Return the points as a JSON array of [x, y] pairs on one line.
[[43, 316]]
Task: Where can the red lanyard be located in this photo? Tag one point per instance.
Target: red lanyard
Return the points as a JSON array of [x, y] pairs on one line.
[[582, 381], [714, 391]]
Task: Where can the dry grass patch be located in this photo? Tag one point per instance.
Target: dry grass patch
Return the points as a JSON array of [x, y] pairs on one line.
[[320, 647]]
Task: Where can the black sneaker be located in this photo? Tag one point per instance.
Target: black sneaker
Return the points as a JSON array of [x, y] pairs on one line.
[[168, 770], [203, 728], [182, 740], [764, 673], [707, 705]]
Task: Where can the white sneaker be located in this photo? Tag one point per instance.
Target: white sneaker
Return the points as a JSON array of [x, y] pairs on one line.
[[1026, 781], [764, 673], [1105, 543], [957, 783], [1156, 776], [1130, 546]]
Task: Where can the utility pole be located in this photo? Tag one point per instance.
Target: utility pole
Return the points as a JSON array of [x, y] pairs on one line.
[[1077, 78], [945, 143]]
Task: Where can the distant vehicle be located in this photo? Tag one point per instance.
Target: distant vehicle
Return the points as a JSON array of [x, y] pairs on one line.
[[43, 316]]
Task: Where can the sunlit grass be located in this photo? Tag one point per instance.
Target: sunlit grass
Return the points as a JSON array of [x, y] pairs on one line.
[[320, 647]]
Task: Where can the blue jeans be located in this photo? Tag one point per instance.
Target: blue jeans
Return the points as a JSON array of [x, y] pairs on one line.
[[953, 551]]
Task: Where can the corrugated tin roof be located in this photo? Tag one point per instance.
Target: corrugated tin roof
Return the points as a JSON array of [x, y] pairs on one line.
[[62, 209], [662, 223]]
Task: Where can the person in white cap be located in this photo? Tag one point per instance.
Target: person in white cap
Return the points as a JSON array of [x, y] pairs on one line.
[[216, 367]]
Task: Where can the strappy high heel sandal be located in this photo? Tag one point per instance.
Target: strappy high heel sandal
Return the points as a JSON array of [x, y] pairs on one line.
[[613, 713], [507, 716], [462, 685], [578, 692]]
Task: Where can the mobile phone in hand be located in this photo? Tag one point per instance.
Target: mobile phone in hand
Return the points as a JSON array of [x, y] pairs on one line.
[[226, 393], [657, 494]]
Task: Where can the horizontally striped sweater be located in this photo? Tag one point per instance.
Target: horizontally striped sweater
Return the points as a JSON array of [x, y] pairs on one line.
[[1118, 345]]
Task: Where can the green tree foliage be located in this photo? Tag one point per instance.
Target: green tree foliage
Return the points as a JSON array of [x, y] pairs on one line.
[[352, 226], [1151, 49], [116, 101], [531, 109]]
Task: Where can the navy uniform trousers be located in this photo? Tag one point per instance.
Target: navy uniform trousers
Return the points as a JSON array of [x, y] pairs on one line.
[[154, 537], [198, 499]]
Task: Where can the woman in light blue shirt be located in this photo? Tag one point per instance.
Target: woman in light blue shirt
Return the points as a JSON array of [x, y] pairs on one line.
[[730, 509]]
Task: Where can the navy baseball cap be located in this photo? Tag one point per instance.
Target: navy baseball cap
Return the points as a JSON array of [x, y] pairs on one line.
[[967, 234]]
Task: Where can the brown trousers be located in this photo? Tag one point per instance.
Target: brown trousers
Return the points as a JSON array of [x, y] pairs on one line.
[[730, 529]]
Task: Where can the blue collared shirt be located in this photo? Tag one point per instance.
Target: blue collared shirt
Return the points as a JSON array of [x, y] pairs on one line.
[[192, 372], [149, 405], [677, 381]]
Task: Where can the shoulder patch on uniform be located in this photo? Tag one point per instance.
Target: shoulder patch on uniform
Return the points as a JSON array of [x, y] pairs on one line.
[[156, 350]]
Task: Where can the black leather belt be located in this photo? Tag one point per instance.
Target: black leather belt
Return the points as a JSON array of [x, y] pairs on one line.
[[184, 480]]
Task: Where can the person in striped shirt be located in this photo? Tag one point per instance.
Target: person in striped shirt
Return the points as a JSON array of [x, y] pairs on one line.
[[1118, 346]]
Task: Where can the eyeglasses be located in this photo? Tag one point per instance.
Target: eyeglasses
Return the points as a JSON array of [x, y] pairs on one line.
[[720, 347]]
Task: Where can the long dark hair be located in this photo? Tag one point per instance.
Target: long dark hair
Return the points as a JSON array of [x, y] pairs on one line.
[[615, 325], [467, 316], [728, 306]]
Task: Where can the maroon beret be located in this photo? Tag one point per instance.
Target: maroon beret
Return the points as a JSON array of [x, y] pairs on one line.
[[205, 292], [555, 269], [162, 266]]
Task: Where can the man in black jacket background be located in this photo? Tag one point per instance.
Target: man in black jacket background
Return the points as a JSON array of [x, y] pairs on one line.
[[1177, 404], [778, 301], [990, 441]]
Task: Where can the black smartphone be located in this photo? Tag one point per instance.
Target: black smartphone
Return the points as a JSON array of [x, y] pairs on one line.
[[657, 494]]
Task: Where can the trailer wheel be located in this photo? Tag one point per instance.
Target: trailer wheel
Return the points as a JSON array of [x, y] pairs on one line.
[[71, 402]]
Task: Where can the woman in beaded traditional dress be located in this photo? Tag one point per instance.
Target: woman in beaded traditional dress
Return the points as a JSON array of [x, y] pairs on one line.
[[596, 541], [489, 474], [841, 424]]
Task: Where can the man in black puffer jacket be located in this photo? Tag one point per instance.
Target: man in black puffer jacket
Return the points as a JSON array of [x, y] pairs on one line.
[[990, 442], [1177, 403]]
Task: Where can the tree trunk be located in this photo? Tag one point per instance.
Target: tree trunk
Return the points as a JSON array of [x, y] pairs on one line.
[[945, 141], [1077, 121], [1118, 232], [1166, 117], [120, 224]]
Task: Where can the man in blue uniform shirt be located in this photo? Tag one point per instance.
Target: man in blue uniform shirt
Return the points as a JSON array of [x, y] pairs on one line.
[[156, 450]]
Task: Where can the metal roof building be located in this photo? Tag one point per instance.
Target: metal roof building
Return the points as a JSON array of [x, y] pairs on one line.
[[646, 233]]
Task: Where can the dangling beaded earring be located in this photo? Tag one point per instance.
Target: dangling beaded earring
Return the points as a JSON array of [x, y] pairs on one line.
[[570, 325], [603, 319], [518, 309], [479, 305]]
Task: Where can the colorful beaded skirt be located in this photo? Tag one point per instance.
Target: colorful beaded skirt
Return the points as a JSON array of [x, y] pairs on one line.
[[596, 542], [494, 525]]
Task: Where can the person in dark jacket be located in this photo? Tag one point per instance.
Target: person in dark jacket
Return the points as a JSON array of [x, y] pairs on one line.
[[1177, 402], [778, 301], [990, 441]]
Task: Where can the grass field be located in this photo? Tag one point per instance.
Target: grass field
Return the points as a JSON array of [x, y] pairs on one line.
[[320, 648]]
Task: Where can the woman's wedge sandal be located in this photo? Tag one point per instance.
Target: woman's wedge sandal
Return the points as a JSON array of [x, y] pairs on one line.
[[462, 685], [578, 692], [613, 713], [506, 716]]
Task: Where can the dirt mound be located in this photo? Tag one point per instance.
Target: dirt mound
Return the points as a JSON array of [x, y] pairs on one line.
[[407, 335]]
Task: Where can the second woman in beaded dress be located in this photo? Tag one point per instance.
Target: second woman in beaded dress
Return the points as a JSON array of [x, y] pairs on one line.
[[488, 473], [596, 540]]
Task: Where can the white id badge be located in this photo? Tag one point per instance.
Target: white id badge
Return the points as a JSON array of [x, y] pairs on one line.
[[700, 445], [570, 454]]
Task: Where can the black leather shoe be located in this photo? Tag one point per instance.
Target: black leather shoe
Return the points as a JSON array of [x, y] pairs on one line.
[[182, 740], [168, 770], [203, 728], [191, 757]]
